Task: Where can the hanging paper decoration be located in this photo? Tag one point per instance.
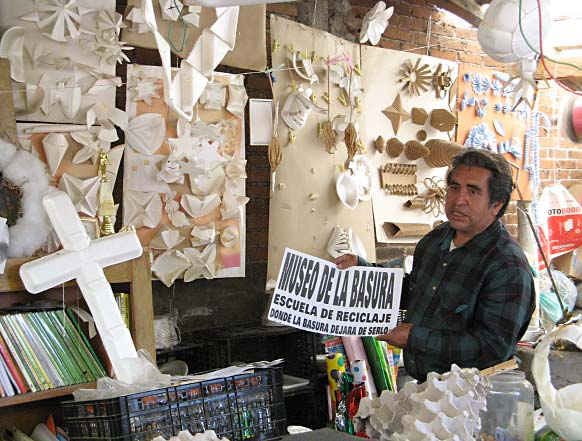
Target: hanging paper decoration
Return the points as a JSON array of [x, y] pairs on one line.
[[416, 79], [375, 23], [396, 114]]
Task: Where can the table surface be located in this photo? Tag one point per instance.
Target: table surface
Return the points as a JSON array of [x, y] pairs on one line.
[[321, 435]]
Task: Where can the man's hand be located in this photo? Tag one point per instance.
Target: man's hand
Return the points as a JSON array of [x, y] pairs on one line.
[[398, 336], [346, 261]]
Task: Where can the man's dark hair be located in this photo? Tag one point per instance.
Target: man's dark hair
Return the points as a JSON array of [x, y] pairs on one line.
[[501, 179]]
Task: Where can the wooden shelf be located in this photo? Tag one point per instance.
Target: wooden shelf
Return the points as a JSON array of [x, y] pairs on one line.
[[44, 395]]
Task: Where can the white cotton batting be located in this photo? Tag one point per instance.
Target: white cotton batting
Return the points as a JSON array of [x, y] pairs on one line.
[[7, 151]]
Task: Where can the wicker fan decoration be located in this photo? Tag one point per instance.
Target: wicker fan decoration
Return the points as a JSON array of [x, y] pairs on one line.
[[417, 79]]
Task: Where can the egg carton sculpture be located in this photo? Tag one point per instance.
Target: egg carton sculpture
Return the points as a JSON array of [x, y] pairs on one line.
[[445, 407]]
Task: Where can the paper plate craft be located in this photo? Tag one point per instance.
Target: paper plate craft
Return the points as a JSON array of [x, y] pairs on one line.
[[203, 235], [297, 108], [415, 150], [90, 146], [394, 147], [200, 206], [142, 87], [202, 263], [171, 171], [396, 113], [207, 183], [141, 173], [108, 117], [232, 204], [303, 66], [145, 133], [380, 144], [213, 97], [32, 226], [362, 172], [142, 209], [375, 23], [443, 120], [83, 192], [418, 116], [416, 79], [172, 209], [62, 91], [237, 100], [166, 238], [170, 9], [441, 152], [55, 146], [59, 20], [11, 47], [347, 190], [229, 236], [169, 266]]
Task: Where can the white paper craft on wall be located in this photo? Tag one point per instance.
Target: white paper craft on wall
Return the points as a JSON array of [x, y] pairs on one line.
[[198, 171], [60, 53]]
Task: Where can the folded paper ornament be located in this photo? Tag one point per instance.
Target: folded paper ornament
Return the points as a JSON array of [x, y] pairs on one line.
[[200, 206], [172, 209], [55, 146], [83, 192], [229, 236], [202, 263], [145, 133], [169, 266], [166, 238], [142, 209], [203, 235]]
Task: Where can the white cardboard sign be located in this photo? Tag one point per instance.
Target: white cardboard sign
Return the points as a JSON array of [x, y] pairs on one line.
[[314, 295]]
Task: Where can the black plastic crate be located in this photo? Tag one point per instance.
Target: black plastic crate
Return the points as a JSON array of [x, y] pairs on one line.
[[200, 356], [243, 407]]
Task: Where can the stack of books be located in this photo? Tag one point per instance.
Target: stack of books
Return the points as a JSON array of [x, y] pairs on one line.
[[44, 350]]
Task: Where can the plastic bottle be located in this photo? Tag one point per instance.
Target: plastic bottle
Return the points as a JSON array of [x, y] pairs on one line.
[[509, 414]]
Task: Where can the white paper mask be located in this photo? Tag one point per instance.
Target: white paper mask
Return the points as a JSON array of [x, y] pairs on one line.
[[145, 133], [142, 209], [171, 171], [83, 193], [202, 263], [203, 235], [169, 266], [198, 207]]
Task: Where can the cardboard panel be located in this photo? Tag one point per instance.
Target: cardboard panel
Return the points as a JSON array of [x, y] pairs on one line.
[[7, 121]]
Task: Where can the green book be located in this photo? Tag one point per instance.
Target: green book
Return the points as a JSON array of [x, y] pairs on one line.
[[60, 347], [32, 360], [39, 349], [50, 348], [18, 356], [71, 344], [99, 369], [375, 360]]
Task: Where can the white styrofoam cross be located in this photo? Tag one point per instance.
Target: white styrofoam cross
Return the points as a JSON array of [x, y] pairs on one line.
[[83, 259]]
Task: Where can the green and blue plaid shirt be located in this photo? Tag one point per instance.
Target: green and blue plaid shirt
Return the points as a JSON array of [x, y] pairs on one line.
[[469, 306]]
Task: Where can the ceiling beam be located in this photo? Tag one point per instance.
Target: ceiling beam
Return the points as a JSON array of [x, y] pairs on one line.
[[468, 10]]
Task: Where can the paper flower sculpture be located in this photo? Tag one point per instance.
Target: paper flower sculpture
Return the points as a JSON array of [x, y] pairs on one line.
[[142, 209], [481, 136], [143, 88], [83, 193], [375, 23], [202, 263], [169, 266], [417, 79], [59, 20], [203, 235]]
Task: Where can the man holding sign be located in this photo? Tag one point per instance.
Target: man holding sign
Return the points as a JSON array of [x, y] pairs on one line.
[[470, 294]]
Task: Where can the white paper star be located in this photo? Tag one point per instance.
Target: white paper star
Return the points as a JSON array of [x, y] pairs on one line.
[[58, 19], [143, 88], [83, 193], [90, 146]]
